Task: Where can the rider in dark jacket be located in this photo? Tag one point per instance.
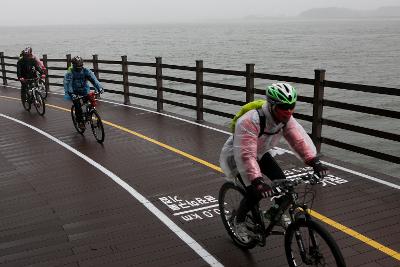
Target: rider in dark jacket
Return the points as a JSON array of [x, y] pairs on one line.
[[27, 66]]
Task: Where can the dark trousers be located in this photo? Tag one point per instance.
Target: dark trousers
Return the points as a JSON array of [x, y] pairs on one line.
[[78, 109], [24, 88], [271, 169]]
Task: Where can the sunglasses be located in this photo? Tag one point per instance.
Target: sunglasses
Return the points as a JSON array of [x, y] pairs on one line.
[[286, 106]]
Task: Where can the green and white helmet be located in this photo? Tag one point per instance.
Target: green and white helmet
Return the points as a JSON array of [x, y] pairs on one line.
[[281, 94]]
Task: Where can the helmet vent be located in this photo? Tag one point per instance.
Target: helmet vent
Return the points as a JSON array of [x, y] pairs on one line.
[[287, 89]]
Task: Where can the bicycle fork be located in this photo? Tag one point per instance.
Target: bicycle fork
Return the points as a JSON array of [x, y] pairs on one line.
[[300, 241]]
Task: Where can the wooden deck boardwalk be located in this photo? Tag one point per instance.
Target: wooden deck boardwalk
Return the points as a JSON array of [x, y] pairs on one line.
[[148, 195]]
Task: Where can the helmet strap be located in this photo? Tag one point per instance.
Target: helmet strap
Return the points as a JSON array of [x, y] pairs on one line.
[[272, 111]]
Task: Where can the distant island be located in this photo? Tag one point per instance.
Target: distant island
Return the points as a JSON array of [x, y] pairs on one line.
[[336, 12]]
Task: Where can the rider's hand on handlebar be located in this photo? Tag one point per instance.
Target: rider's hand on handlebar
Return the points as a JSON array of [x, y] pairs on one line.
[[319, 169], [22, 80], [264, 189], [101, 90], [43, 76], [73, 96]]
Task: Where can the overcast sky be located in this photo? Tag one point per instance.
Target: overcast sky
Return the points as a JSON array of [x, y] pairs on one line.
[[54, 12]]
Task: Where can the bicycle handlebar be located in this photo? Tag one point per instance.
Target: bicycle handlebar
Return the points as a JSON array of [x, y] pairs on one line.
[[286, 185], [96, 93], [33, 79]]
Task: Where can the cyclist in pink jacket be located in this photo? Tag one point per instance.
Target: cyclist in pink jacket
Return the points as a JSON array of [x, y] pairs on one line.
[[246, 153], [28, 51]]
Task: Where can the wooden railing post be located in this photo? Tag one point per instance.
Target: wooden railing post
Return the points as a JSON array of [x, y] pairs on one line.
[[96, 66], [3, 68], [68, 61], [159, 84], [318, 107], [199, 90], [46, 80], [125, 79], [249, 82]]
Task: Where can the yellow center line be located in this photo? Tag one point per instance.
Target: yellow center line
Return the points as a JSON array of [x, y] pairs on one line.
[[173, 149], [392, 253], [356, 235]]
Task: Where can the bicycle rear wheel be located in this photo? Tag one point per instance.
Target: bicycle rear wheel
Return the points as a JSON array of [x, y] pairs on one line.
[[320, 249], [97, 126], [74, 121], [39, 103], [229, 199]]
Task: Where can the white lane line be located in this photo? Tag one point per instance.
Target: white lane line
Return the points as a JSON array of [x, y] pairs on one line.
[[167, 115], [392, 185], [189, 211], [395, 186], [159, 214]]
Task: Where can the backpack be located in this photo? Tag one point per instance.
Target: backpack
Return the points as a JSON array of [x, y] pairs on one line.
[[257, 105]]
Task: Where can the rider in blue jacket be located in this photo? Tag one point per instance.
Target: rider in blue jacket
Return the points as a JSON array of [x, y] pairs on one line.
[[76, 84]]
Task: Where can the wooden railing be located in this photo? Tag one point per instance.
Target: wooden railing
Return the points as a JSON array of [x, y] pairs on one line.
[[319, 83]]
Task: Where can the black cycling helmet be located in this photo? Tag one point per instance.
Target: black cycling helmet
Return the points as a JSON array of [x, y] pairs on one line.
[[27, 51], [77, 62]]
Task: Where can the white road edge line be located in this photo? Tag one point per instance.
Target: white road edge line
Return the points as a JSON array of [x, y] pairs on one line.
[[395, 186], [206, 256]]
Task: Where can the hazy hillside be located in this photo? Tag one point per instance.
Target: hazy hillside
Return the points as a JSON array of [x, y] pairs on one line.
[[335, 12]]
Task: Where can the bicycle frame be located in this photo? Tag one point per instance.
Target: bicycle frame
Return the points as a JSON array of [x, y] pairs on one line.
[[303, 236], [89, 102], [289, 204], [32, 85]]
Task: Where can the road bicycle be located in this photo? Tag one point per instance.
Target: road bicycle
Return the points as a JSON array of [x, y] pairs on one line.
[[34, 95], [89, 116], [306, 241]]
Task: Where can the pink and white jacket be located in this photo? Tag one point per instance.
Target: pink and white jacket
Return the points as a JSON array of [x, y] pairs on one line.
[[242, 150], [40, 63]]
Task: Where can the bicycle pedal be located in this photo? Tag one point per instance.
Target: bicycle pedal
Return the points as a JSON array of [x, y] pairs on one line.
[[261, 243], [258, 237], [277, 232]]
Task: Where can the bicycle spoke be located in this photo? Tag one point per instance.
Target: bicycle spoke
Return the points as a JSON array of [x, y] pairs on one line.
[[97, 126], [39, 103], [229, 200], [310, 246]]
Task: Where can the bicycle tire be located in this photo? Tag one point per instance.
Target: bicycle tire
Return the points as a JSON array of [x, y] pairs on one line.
[[97, 126], [336, 257], [39, 103], [78, 129], [42, 89], [228, 216], [26, 101]]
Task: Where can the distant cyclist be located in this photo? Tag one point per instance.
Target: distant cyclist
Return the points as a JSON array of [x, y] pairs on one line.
[[246, 154], [76, 84], [38, 61], [27, 66]]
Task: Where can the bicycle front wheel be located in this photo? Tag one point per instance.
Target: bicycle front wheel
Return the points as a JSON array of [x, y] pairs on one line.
[[39, 103], [307, 243], [26, 100], [229, 199], [42, 89], [80, 130], [97, 126]]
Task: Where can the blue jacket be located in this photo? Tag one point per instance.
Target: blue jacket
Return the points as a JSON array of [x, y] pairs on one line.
[[77, 82]]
